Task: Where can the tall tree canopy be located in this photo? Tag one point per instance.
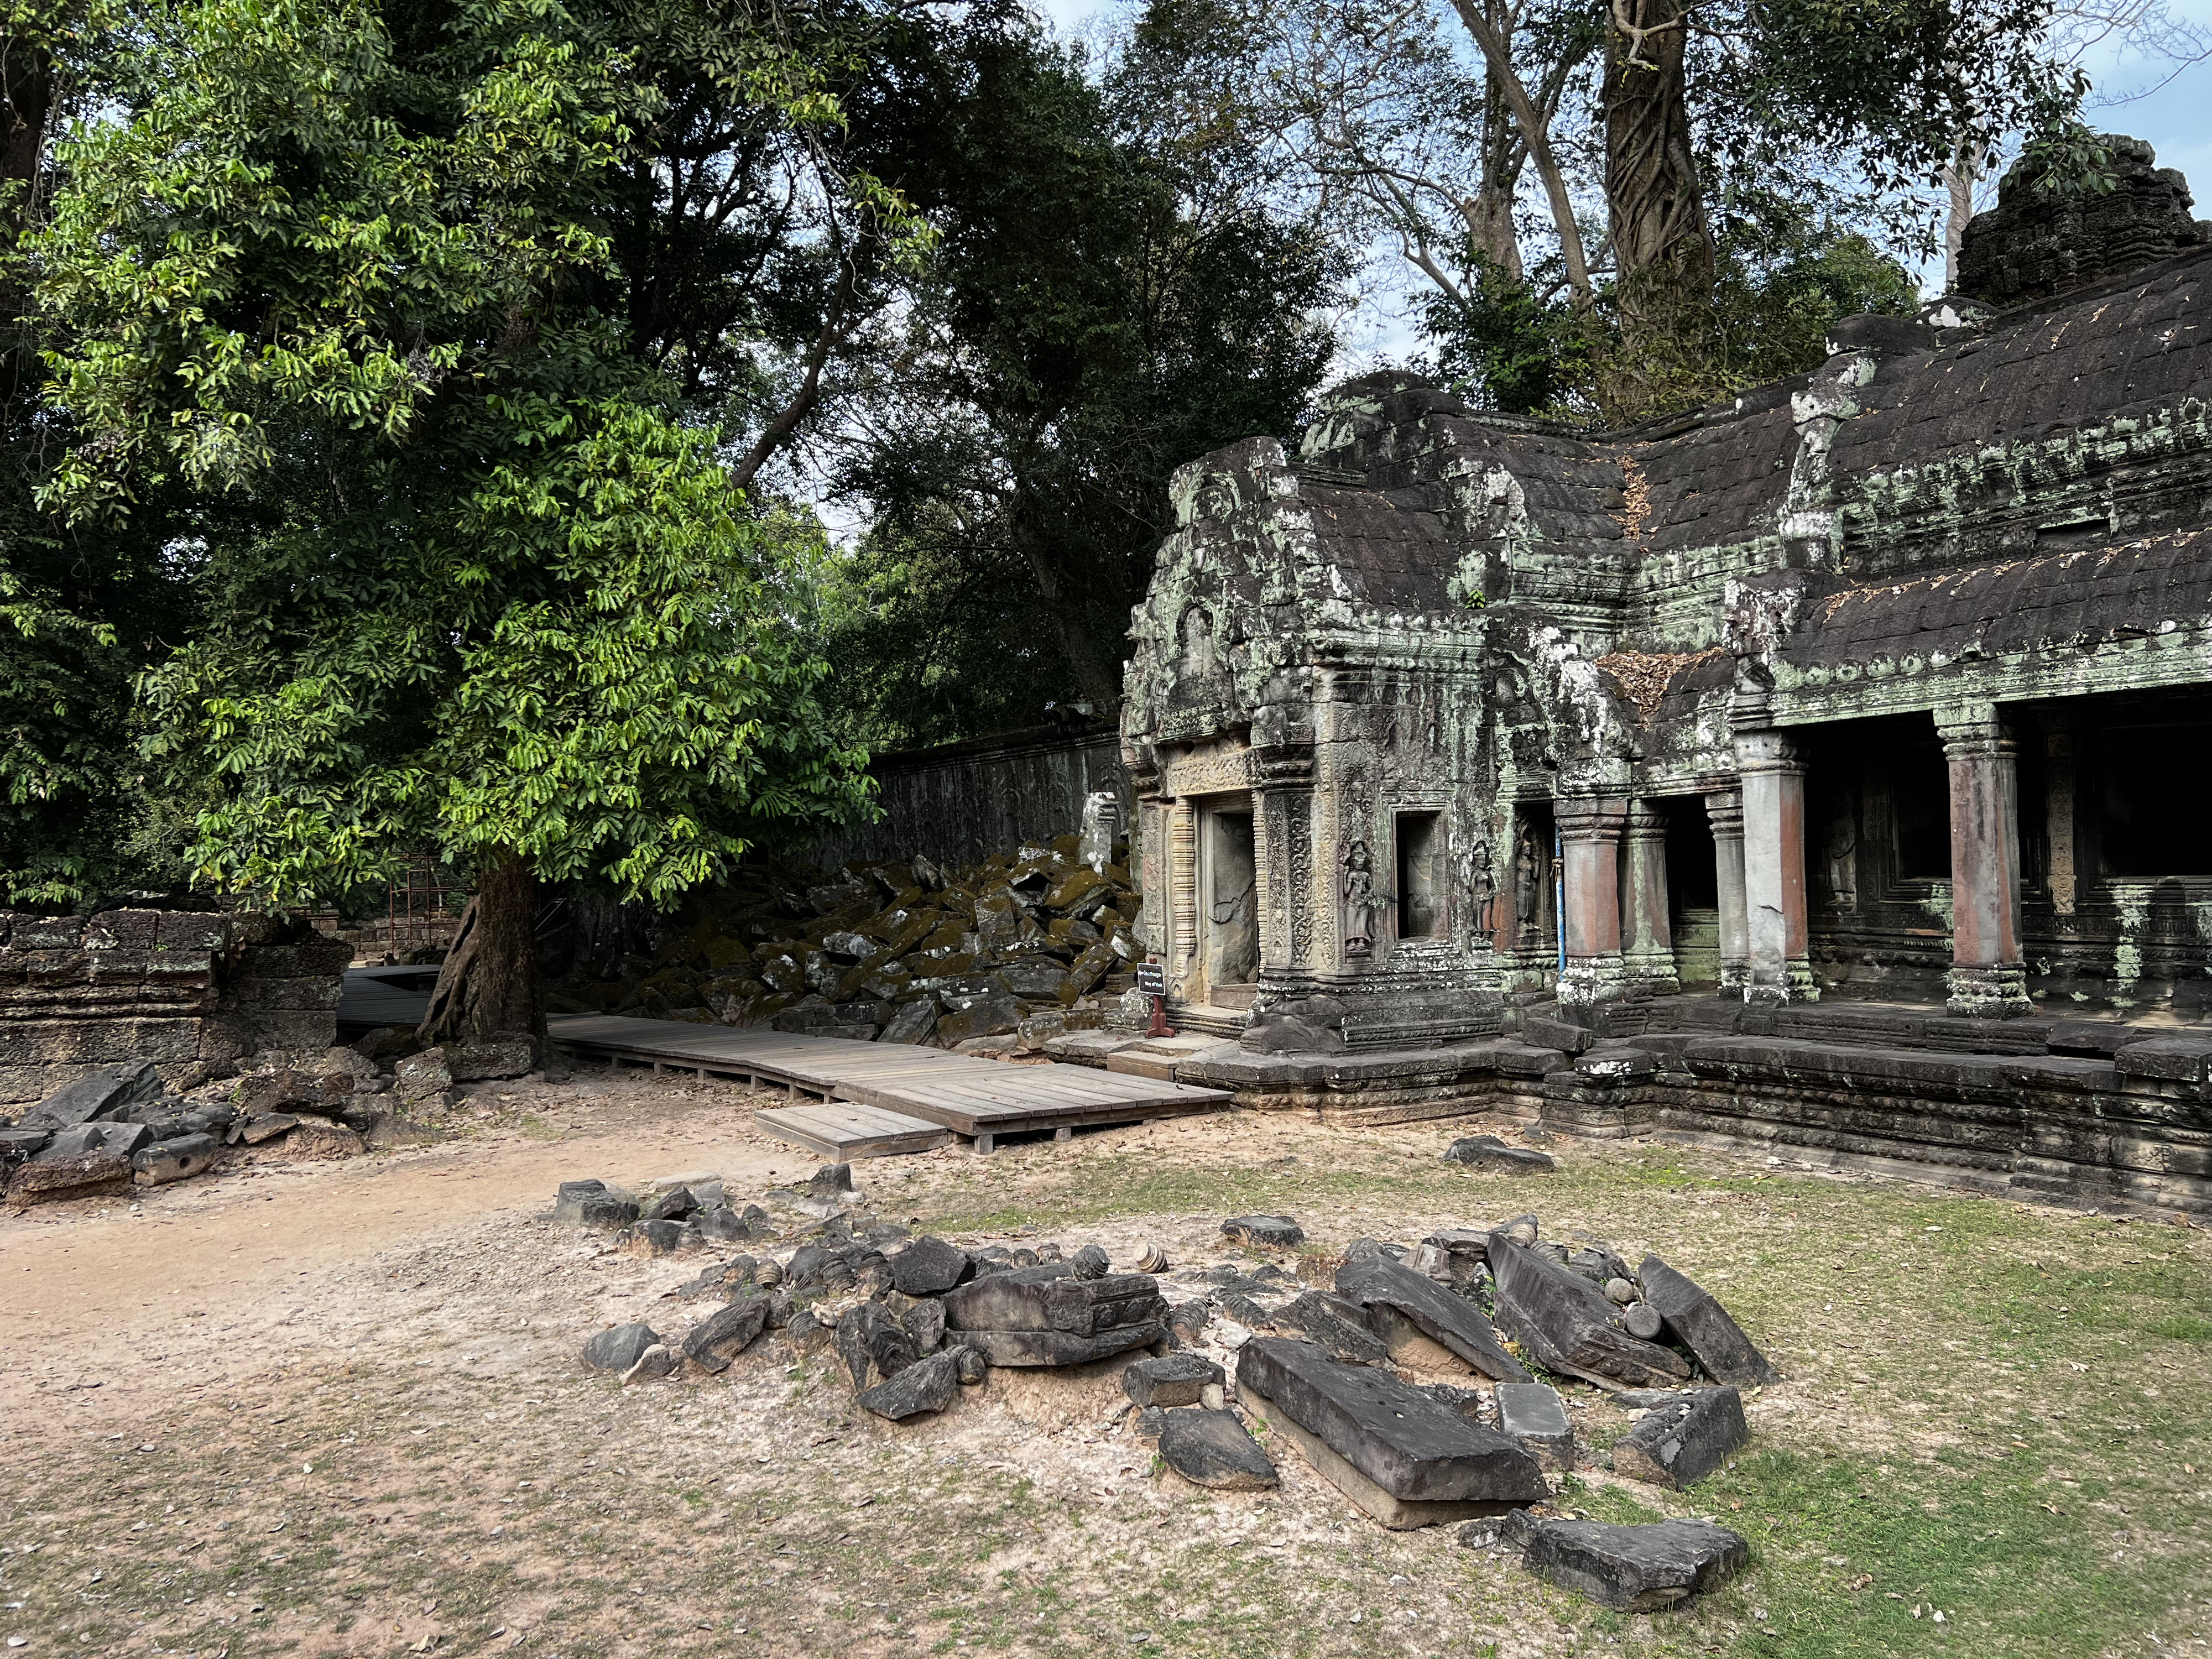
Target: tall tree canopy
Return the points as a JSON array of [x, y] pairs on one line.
[[472, 572]]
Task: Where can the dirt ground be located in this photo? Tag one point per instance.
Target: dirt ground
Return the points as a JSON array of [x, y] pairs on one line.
[[337, 1409]]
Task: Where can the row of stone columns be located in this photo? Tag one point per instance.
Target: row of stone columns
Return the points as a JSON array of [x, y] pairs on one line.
[[1616, 924]]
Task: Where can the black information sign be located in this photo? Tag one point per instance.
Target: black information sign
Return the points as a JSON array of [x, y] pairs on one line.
[[1153, 979]]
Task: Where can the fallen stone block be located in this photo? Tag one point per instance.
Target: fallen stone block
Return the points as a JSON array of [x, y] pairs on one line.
[[927, 1385], [423, 1074], [725, 1333], [923, 1317], [1704, 1327], [1488, 1152], [1629, 1569], [46, 1179], [619, 1347], [1211, 1449], [873, 1346], [930, 1267], [974, 1367], [1336, 1326], [1567, 1324], [1175, 1379], [1453, 1322], [656, 1361], [254, 1131], [594, 1203], [1272, 1232], [1050, 1297], [678, 1204], [661, 1238], [174, 1160], [910, 1022], [1683, 1442], [473, 1062], [1398, 1455], [98, 1093], [1054, 1348], [314, 1138], [20, 1143], [1534, 1418]]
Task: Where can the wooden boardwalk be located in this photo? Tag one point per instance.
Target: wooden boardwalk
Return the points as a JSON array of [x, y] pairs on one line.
[[909, 1092]]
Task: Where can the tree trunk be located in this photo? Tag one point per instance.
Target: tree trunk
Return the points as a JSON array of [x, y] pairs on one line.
[[1662, 249], [487, 990], [1960, 174], [26, 113]]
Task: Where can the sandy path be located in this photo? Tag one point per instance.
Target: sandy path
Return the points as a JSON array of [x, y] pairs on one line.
[[96, 1278]]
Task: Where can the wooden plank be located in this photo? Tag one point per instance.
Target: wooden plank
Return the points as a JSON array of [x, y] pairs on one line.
[[844, 1139]]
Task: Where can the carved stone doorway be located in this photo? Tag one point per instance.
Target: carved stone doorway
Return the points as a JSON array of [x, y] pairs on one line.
[[1229, 904]]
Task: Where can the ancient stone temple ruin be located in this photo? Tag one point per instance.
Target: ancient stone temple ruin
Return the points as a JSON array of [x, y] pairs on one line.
[[1870, 710]]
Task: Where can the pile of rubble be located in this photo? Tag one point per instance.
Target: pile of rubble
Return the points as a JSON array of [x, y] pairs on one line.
[[120, 1126], [995, 958], [1515, 1322]]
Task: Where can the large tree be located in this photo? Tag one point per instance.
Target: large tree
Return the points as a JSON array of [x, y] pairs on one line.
[[1094, 313], [474, 575]]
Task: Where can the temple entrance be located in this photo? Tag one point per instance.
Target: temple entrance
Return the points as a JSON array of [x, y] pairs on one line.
[[1229, 907]]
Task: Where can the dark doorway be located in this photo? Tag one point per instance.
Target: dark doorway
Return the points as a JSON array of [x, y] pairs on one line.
[[1420, 875], [1231, 922]]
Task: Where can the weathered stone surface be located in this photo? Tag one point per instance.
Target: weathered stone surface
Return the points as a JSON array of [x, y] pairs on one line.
[[1533, 1417], [656, 1361], [930, 1267], [1704, 1327], [1685, 1440], [974, 1366], [1049, 1297], [911, 1022], [1405, 1446], [1568, 1326], [1274, 1232], [675, 1204], [1629, 1569], [46, 1179], [470, 1062], [1376, 1281], [873, 1346], [1175, 1379], [730, 1226], [1020, 1349], [662, 1238], [928, 1385], [1211, 1449], [923, 1317], [726, 1332], [99, 1093], [619, 1347], [1338, 1326], [1489, 1152]]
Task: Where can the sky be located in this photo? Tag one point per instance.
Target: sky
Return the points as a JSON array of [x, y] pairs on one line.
[[2176, 119]]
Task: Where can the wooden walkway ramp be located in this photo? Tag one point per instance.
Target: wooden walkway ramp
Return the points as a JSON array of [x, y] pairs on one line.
[[868, 1099]]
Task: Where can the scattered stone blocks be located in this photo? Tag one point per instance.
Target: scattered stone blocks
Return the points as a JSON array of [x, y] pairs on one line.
[[1704, 1327], [1567, 1322]]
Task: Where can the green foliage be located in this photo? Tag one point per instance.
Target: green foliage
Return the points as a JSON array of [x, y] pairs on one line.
[[1092, 318], [469, 576]]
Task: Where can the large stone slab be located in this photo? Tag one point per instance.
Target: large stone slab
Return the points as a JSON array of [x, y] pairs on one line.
[[618, 1347], [46, 1179], [96, 1094], [1413, 1462], [1175, 1379], [1275, 1233], [1685, 1440], [1629, 1569], [1038, 1348], [1049, 1297], [1704, 1326], [1211, 1449], [1452, 1321], [1568, 1326], [174, 1159]]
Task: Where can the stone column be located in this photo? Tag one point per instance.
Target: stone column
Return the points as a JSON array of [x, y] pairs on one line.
[[1182, 897], [1779, 968], [1987, 976], [1724, 809], [1647, 934], [1589, 838], [1282, 804]]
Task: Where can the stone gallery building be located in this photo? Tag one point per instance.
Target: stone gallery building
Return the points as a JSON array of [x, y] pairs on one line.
[[1870, 710]]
